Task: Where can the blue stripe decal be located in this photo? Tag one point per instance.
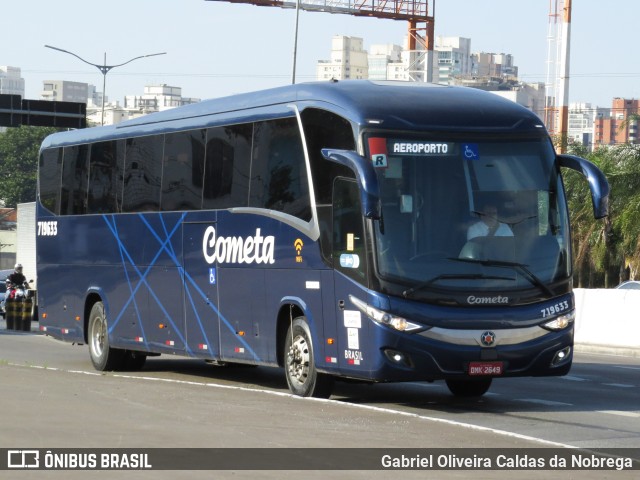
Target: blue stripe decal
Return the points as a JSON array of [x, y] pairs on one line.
[[167, 247], [131, 290], [195, 285]]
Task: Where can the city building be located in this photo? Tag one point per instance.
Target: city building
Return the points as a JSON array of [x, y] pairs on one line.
[[454, 64], [157, 98], [529, 95], [348, 60], [385, 62], [11, 81], [94, 97], [582, 119], [400, 70], [493, 65], [64, 91], [620, 126], [452, 59], [113, 114]]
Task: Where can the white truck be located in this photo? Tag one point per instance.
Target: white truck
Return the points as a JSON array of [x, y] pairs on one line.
[[26, 248]]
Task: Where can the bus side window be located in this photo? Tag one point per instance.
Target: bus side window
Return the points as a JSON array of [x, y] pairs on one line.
[[105, 177], [50, 177], [142, 174], [348, 231], [226, 170], [75, 180], [278, 169], [182, 170]]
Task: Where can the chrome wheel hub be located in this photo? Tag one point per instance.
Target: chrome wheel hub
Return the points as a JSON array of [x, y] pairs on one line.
[[298, 359]]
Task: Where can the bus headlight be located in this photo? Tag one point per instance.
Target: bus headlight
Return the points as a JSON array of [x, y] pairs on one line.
[[561, 322], [384, 318]]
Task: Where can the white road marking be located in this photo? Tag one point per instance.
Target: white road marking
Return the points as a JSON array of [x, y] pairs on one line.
[[540, 401], [326, 401], [618, 385], [573, 378], [620, 413]]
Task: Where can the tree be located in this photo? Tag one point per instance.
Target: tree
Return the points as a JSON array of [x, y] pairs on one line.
[[19, 163], [584, 228], [625, 185], [607, 251]]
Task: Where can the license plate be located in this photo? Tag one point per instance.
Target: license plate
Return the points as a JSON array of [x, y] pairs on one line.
[[486, 368]]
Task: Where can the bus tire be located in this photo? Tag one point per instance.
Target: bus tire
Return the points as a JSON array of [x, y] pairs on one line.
[[299, 364], [103, 357], [469, 388]]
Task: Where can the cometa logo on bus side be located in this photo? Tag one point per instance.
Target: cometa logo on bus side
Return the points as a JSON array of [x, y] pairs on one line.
[[256, 249]]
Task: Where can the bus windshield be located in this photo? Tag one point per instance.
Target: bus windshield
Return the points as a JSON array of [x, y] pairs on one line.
[[465, 217]]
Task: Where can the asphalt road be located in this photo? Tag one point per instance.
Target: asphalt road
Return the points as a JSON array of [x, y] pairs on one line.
[[52, 398]]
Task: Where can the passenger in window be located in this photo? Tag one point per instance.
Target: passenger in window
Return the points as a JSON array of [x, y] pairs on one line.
[[489, 225]]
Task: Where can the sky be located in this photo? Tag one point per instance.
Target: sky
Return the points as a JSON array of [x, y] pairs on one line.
[[215, 48]]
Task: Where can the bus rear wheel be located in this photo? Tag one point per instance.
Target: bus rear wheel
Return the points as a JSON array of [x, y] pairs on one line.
[[103, 356], [299, 365], [469, 388]]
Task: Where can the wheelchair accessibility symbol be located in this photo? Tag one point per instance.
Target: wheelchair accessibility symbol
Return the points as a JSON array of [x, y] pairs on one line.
[[470, 151]]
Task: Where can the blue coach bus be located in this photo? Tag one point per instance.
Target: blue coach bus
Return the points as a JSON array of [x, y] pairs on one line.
[[374, 231]]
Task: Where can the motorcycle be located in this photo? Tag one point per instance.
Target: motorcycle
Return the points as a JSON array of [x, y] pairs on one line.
[[18, 306]]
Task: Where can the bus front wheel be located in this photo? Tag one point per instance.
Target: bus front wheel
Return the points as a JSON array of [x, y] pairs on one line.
[[103, 356], [299, 366], [469, 388]]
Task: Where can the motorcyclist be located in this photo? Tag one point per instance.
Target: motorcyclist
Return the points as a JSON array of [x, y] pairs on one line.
[[18, 303], [16, 280]]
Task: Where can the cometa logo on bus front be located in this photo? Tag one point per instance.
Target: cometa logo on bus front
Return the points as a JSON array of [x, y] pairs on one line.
[[487, 300], [256, 249]]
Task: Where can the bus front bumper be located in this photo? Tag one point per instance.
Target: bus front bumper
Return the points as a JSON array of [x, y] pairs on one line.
[[414, 357]]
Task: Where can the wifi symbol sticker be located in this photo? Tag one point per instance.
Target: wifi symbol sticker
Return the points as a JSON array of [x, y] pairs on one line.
[[298, 246]]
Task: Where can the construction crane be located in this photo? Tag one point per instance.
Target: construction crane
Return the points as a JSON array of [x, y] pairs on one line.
[[557, 83], [418, 13]]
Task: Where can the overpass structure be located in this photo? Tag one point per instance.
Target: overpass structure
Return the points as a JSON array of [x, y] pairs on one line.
[[418, 13]]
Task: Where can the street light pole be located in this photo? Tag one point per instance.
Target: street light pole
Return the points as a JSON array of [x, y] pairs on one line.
[[295, 43], [104, 68]]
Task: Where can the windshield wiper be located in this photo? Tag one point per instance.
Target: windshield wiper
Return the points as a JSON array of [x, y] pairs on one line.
[[451, 276], [503, 264]]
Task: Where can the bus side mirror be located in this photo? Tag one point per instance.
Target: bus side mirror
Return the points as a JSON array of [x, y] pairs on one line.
[[365, 175], [598, 183]]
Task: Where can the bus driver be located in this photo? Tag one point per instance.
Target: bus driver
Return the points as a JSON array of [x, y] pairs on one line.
[[488, 226]]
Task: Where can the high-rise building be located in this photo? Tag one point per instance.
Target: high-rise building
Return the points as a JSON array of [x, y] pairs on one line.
[[452, 58], [64, 91], [621, 126], [348, 60], [94, 97], [11, 81], [493, 65], [582, 118], [381, 57]]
